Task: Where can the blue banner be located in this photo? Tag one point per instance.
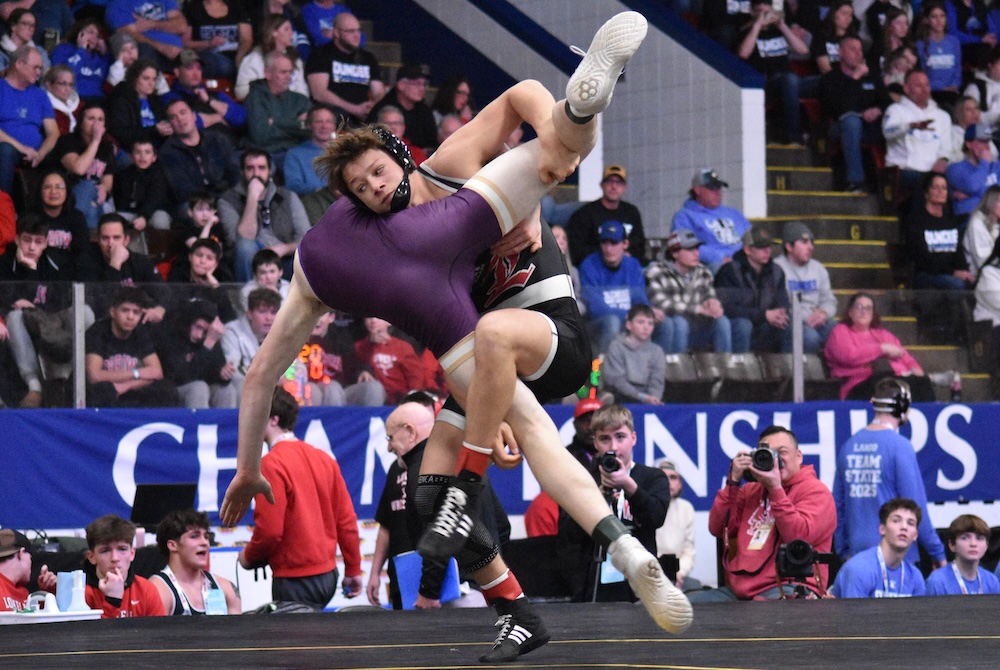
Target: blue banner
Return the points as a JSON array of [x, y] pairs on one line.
[[63, 468]]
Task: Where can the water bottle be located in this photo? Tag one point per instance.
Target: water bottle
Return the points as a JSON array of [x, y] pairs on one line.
[[956, 387]]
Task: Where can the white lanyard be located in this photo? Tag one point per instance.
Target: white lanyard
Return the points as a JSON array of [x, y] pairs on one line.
[[185, 603], [885, 572], [961, 581]]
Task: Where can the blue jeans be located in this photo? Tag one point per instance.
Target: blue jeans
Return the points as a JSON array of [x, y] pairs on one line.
[[243, 258], [10, 158], [675, 334], [216, 65], [924, 280], [790, 88], [852, 131], [760, 338], [85, 194], [813, 339]]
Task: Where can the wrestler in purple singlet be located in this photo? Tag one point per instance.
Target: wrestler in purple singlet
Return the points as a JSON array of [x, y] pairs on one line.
[[413, 268]]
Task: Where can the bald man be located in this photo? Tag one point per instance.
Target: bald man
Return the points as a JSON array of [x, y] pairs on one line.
[[407, 429]]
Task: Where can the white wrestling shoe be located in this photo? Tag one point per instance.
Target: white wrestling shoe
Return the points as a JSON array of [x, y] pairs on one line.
[[667, 604], [590, 88]]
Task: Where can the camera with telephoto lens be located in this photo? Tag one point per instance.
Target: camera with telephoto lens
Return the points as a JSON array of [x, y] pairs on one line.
[[796, 560], [609, 461], [763, 458]]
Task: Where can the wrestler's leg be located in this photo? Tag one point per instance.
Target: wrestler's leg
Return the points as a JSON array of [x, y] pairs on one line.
[[510, 343], [480, 554]]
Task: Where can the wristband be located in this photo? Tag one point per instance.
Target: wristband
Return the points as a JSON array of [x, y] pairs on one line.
[[135, 373]]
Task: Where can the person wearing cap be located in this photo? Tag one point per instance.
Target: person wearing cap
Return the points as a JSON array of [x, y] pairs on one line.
[[408, 95], [582, 445], [584, 223], [968, 179], [765, 43], [15, 570], [342, 75], [720, 228], [852, 99], [276, 115], [682, 294], [213, 109], [612, 283], [753, 295], [156, 27], [124, 52], [808, 281], [676, 535], [917, 133], [877, 464]]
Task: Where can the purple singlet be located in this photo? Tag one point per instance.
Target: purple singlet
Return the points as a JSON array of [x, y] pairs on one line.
[[413, 268]]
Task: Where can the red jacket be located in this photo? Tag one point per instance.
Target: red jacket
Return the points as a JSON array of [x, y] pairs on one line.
[[312, 513], [140, 599], [803, 509]]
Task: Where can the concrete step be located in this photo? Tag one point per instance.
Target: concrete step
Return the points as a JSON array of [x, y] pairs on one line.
[[869, 275], [782, 154], [795, 178], [388, 54], [835, 226], [801, 203], [937, 358], [849, 251]]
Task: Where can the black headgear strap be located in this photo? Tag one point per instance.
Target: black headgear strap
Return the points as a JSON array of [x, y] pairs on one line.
[[401, 154]]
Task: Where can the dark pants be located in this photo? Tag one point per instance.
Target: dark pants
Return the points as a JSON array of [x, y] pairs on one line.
[[315, 591], [161, 393]]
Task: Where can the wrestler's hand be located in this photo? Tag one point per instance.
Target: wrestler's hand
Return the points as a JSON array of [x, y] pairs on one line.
[[557, 161], [506, 454], [241, 491], [525, 235]]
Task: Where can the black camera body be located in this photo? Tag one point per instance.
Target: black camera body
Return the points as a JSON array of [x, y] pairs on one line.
[[797, 559], [763, 459], [609, 461]]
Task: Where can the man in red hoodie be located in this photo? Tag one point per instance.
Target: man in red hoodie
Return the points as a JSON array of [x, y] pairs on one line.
[[785, 503], [298, 535]]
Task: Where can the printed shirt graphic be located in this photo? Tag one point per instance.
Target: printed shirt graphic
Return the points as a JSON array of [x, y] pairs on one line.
[[941, 241], [350, 73]]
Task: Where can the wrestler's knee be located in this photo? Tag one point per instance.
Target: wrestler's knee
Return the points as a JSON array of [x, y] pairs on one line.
[[492, 336]]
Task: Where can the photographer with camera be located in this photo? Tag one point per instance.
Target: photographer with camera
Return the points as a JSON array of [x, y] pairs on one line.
[[637, 494], [769, 499]]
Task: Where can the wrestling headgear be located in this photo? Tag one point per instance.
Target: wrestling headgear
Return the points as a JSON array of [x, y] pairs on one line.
[[395, 148], [892, 397]]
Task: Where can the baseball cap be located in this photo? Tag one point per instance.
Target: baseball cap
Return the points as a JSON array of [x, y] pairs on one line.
[[613, 231], [796, 230], [412, 71], [708, 178], [758, 237], [11, 542], [586, 406], [187, 57], [978, 131], [614, 171], [682, 239]]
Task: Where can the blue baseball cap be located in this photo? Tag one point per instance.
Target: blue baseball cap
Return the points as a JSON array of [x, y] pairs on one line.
[[612, 231]]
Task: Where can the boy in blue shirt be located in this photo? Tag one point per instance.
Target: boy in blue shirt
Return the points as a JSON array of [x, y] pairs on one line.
[[881, 571], [968, 539]]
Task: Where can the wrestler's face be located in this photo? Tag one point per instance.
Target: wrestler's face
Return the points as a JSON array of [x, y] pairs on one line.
[[373, 177]]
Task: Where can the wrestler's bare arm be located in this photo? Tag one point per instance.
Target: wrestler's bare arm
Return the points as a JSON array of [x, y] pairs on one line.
[[482, 138], [292, 327]]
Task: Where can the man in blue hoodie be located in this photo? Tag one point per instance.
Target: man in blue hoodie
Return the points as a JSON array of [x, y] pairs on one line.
[[719, 228]]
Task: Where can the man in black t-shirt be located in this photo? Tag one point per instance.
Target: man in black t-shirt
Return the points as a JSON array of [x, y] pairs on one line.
[[584, 222], [344, 76], [122, 367]]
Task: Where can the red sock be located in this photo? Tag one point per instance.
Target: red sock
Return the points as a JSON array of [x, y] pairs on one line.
[[505, 586], [472, 460]]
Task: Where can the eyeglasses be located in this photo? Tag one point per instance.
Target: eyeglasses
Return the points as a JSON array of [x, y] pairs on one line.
[[863, 308], [54, 187], [62, 83], [26, 24]]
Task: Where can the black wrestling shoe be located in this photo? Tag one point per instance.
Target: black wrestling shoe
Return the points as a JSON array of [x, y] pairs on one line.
[[521, 631], [449, 531]]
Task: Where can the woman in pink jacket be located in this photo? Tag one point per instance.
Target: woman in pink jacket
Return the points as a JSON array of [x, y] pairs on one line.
[[858, 343]]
